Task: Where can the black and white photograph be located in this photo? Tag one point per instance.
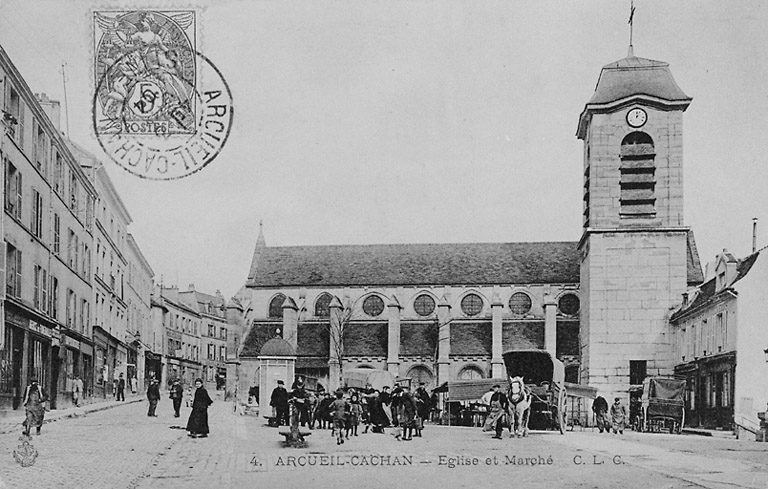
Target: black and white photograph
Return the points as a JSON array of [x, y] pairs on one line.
[[384, 243]]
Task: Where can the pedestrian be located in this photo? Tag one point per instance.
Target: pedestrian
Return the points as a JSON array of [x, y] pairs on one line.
[[424, 406], [407, 413], [279, 402], [177, 394], [300, 398], [618, 416], [197, 425], [134, 385], [77, 390], [498, 411], [35, 398], [153, 395], [339, 408], [121, 388], [355, 412], [600, 408]]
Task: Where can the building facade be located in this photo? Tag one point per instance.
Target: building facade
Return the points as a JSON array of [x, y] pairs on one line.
[[48, 231], [431, 312], [182, 337], [138, 299], [116, 345], [721, 343], [213, 334]]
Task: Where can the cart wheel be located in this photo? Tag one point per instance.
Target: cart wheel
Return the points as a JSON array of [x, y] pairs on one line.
[[561, 412]]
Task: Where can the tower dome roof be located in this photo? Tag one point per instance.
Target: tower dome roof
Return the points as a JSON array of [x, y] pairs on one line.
[[636, 76], [277, 347]]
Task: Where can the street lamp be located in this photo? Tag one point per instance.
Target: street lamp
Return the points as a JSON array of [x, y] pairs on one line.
[[766, 355]]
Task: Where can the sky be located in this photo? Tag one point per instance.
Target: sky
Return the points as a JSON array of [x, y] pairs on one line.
[[368, 121]]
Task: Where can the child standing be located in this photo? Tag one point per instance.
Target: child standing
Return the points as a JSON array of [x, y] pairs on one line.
[[339, 408], [355, 413]]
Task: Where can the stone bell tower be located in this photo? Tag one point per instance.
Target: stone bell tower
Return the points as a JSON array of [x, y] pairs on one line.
[[634, 246]]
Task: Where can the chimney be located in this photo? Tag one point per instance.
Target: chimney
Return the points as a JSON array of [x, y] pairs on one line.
[[685, 298], [191, 287], [754, 234], [52, 108]]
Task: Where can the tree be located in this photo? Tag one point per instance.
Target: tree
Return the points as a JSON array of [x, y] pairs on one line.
[[341, 314]]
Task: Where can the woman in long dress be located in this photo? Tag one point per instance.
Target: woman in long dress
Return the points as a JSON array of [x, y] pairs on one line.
[[34, 404], [197, 426]]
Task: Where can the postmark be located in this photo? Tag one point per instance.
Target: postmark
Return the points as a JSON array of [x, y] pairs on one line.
[[161, 109]]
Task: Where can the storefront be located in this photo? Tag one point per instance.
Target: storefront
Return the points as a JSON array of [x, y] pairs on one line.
[[26, 354], [76, 359], [110, 359]]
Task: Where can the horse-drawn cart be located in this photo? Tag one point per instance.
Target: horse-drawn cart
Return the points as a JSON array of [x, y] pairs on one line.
[[544, 377], [662, 405]]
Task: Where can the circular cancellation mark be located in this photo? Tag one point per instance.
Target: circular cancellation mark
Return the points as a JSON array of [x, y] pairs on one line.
[[143, 128]]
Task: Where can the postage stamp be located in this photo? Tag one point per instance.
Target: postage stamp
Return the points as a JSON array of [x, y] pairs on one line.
[[161, 110]]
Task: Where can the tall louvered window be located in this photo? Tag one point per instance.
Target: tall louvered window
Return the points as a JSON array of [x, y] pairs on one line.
[[638, 177]]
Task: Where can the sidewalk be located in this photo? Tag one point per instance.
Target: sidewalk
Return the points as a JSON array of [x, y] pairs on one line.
[[14, 421]]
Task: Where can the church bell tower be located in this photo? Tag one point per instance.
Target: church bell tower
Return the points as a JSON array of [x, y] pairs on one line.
[[634, 247]]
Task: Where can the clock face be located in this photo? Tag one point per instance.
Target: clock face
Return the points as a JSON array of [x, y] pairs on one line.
[[636, 117]]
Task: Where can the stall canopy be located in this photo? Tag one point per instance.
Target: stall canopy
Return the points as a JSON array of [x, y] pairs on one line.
[[472, 390], [579, 390], [359, 377]]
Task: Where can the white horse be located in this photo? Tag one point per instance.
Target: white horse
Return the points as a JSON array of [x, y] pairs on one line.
[[519, 406]]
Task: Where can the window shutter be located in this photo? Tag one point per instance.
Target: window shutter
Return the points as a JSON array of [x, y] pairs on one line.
[[18, 273]]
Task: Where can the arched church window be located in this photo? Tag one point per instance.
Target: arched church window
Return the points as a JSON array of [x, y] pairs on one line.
[[373, 305], [470, 373], [569, 304], [471, 304], [276, 306], [520, 303], [321, 305], [638, 177], [424, 305], [419, 374]]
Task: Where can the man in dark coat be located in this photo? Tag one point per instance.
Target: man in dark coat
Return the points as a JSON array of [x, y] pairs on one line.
[[177, 394], [499, 407], [407, 412], [121, 388], [197, 425], [153, 395], [423, 406], [279, 401], [300, 399], [600, 408]]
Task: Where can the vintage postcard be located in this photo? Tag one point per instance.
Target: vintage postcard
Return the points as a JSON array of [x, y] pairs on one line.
[[374, 243]]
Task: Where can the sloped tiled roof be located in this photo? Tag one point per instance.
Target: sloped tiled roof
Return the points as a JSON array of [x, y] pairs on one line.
[[417, 264], [708, 290], [695, 275]]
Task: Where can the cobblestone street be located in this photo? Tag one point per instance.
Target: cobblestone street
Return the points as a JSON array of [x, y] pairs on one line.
[[123, 448]]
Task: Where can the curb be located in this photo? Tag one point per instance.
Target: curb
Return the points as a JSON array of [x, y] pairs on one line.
[[11, 426]]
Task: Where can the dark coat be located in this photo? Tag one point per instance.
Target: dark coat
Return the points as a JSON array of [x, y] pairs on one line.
[[423, 403], [198, 418], [279, 398], [153, 392], [502, 398], [600, 404], [177, 392]]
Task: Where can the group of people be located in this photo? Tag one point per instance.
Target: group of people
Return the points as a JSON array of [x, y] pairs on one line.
[[618, 415], [197, 424], [348, 408]]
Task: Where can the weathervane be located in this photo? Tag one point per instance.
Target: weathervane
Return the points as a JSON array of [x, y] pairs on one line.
[[631, 52]]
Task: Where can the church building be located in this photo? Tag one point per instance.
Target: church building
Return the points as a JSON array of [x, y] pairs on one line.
[[440, 312]]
